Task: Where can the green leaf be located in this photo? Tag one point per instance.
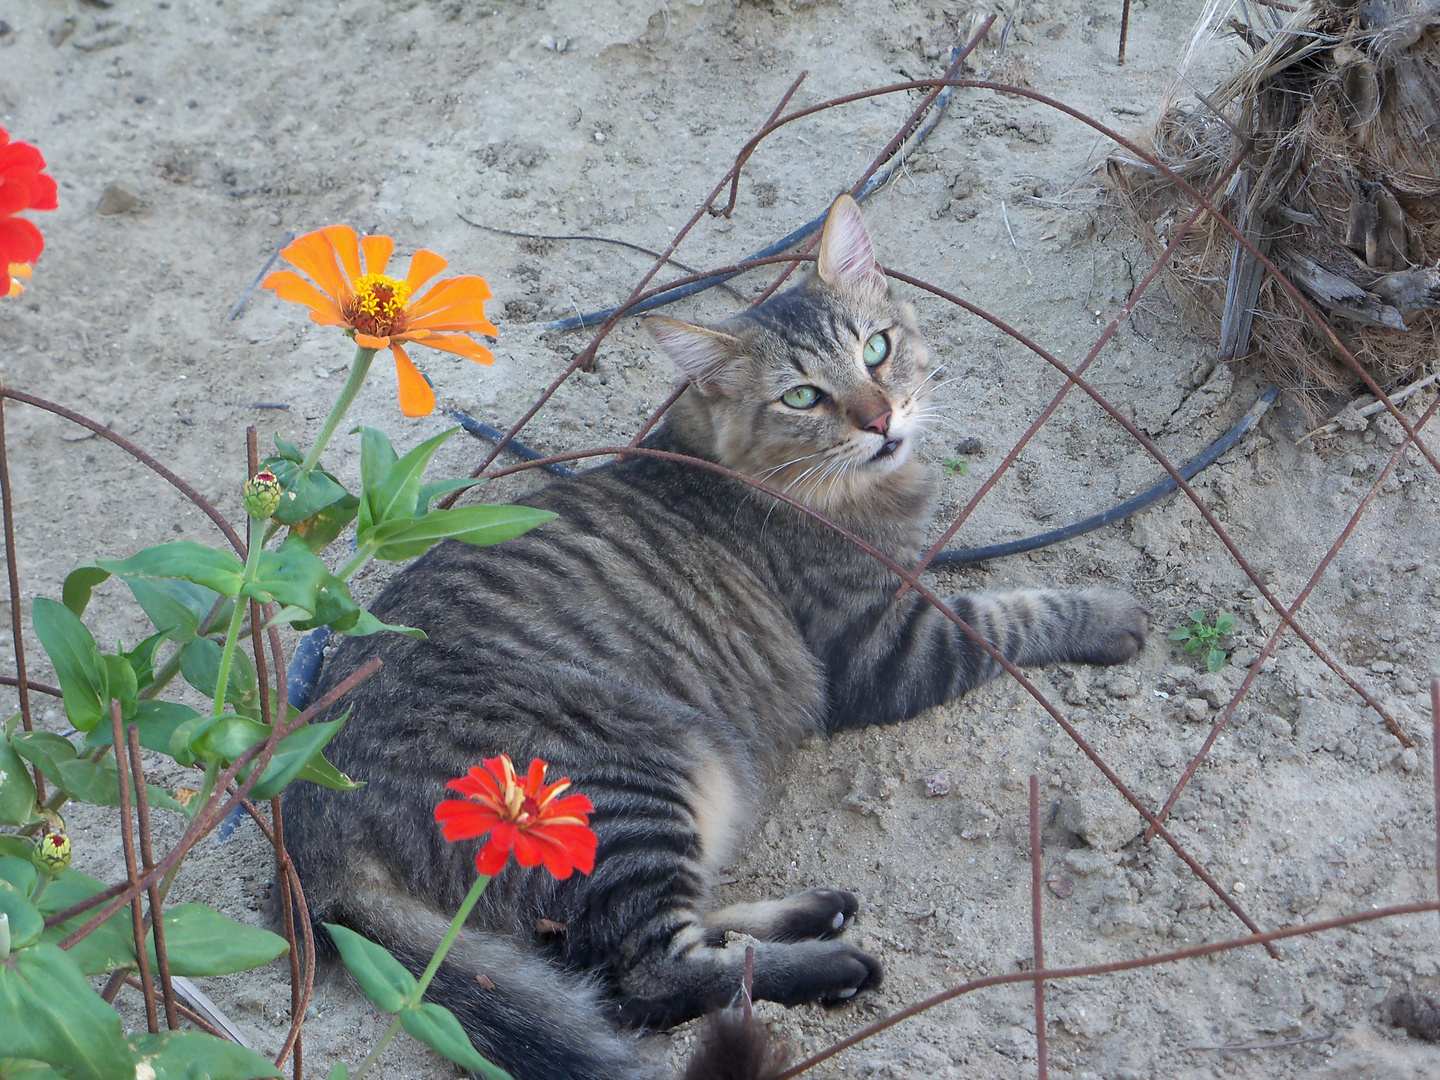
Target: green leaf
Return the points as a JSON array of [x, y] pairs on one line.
[[291, 576], [437, 1028], [123, 683], [156, 721], [142, 660], [194, 1055], [289, 451], [19, 871], [323, 526], [304, 493], [16, 847], [17, 790], [383, 978], [10, 1069], [200, 665], [110, 946], [368, 624], [436, 488], [338, 1071], [1225, 622], [52, 1015], [174, 606], [1216, 660], [79, 584], [291, 757], [77, 662], [334, 607], [1181, 633], [185, 559], [479, 525], [395, 495], [200, 941], [94, 782], [1198, 616], [377, 458], [26, 922]]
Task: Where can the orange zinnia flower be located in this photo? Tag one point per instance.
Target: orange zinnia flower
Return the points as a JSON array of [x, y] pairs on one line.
[[381, 310], [527, 816]]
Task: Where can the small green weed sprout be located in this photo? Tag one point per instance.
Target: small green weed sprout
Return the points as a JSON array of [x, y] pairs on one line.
[[956, 466], [1202, 638]]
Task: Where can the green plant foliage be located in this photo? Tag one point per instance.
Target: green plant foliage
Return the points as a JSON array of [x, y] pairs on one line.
[[54, 1016], [956, 466], [437, 1028], [26, 922], [194, 1055], [109, 946], [383, 978], [95, 782], [84, 680], [1201, 638], [17, 789], [200, 941]]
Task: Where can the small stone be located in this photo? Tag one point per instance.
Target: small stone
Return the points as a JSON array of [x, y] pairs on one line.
[[1099, 816], [1277, 726], [117, 199], [938, 783], [1059, 884], [1078, 692], [1406, 684], [1197, 710], [1381, 667], [1122, 684], [1409, 760], [1087, 861], [599, 136], [1213, 689]]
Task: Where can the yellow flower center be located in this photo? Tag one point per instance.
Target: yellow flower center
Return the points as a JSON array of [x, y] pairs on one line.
[[378, 306]]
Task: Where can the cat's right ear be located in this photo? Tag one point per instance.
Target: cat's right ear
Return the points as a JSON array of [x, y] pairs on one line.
[[703, 355]]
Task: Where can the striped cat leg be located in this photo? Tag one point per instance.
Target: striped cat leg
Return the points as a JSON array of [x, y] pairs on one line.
[[907, 656], [814, 914]]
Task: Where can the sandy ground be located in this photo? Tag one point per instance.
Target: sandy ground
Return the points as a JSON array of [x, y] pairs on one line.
[[235, 124]]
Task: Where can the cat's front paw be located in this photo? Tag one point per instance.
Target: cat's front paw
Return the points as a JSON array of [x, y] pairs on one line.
[[1117, 627]]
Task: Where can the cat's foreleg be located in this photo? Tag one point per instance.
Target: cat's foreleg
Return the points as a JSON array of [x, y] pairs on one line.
[[815, 914], [912, 657]]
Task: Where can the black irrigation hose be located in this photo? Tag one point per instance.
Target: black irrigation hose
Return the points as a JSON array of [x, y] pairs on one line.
[[965, 556], [594, 318], [494, 435]]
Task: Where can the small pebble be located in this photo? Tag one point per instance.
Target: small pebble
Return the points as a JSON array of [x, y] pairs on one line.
[[938, 783], [1059, 884], [117, 199], [1197, 710]]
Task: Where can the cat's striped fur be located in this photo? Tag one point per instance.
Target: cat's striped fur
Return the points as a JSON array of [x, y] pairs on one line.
[[667, 638]]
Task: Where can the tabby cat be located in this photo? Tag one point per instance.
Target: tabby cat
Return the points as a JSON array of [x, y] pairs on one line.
[[663, 641]]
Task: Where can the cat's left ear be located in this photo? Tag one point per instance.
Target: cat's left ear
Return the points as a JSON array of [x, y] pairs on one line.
[[703, 355], [846, 259]]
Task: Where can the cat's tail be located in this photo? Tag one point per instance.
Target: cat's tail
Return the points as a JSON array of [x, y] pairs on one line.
[[530, 1017]]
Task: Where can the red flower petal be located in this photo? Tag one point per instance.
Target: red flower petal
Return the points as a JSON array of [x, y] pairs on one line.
[[20, 241], [45, 195], [492, 858], [535, 778]]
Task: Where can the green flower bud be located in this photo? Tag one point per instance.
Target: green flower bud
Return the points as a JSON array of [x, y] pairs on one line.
[[53, 855], [262, 495]]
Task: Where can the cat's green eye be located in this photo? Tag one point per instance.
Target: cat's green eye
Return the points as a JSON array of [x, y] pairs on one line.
[[801, 397], [876, 350]]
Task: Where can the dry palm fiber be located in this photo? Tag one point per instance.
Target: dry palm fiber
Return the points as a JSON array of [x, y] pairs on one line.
[[1341, 188]]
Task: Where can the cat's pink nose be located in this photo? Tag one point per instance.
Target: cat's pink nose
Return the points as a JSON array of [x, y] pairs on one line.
[[879, 424]]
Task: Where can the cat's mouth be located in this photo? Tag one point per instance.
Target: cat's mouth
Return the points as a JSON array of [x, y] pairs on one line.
[[888, 448]]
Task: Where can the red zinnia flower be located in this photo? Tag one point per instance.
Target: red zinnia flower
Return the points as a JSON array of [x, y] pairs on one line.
[[528, 816], [23, 186]]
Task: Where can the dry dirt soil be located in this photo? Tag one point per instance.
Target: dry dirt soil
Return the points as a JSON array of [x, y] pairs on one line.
[[221, 127]]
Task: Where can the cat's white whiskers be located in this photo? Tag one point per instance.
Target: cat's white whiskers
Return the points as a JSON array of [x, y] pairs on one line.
[[915, 393]]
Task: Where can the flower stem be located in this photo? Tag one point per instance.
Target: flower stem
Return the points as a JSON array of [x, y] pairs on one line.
[[232, 635], [357, 563], [466, 906], [358, 370]]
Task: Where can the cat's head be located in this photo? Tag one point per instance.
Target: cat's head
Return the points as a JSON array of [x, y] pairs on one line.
[[820, 390]]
